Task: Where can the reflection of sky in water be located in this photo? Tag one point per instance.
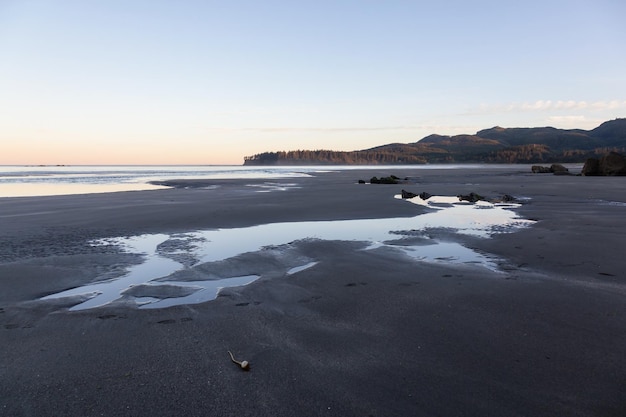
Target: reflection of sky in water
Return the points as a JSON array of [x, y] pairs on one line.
[[274, 186], [107, 291], [207, 291], [481, 219]]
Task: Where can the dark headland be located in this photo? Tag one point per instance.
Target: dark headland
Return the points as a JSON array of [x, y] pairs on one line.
[[495, 145], [362, 333]]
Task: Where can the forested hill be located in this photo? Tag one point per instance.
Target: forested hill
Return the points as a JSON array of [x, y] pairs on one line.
[[495, 145]]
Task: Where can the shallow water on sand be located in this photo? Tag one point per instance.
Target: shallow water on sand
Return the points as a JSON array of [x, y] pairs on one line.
[[147, 285]]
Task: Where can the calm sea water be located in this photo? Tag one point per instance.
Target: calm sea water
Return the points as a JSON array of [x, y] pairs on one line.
[[21, 181]]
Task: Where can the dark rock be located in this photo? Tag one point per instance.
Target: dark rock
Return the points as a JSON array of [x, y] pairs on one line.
[[408, 194], [538, 169], [392, 179], [591, 167], [506, 198], [554, 168], [557, 169], [612, 164], [423, 195], [471, 197], [361, 181]]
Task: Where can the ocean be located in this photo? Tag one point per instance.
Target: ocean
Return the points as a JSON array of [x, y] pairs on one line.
[[24, 181]]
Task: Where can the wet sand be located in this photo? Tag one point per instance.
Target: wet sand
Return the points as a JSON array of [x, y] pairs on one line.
[[358, 334]]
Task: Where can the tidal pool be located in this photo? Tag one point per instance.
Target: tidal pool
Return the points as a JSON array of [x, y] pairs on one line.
[[156, 282]]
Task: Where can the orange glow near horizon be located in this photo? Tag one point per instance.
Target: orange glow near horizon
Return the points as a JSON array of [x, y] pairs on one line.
[[59, 152]]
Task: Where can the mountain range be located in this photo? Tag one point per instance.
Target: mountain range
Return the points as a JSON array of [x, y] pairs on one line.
[[495, 145]]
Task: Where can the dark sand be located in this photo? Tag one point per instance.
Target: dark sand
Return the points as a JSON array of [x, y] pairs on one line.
[[359, 334]]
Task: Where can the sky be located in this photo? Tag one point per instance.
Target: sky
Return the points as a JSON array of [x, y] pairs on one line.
[[209, 82]]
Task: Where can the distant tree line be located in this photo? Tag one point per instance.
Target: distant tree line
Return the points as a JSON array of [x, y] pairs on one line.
[[528, 154], [523, 154], [327, 157]]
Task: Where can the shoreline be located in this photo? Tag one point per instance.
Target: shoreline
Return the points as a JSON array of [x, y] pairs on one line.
[[355, 334], [25, 181]]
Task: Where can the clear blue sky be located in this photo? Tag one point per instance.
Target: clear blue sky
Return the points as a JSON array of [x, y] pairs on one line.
[[120, 81]]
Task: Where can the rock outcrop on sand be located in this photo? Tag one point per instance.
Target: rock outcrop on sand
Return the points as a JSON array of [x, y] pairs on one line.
[[392, 179], [556, 169], [423, 195], [471, 197], [611, 164]]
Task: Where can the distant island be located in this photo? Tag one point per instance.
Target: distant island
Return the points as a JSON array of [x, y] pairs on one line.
[[495, 145]]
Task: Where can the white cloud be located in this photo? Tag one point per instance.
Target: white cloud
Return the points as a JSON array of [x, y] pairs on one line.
[[433, 128], [567, 119], [537, 105], [543, 105]]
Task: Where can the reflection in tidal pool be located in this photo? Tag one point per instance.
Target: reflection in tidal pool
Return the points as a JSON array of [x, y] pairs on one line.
[[148, 285]]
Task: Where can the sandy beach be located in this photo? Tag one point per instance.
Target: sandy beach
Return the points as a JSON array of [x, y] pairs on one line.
[[359, 333]]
